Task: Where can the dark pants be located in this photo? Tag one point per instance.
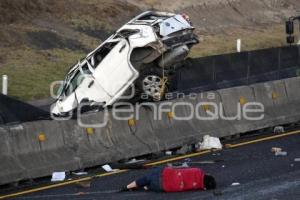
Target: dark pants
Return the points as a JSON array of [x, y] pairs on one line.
[[152, 180]]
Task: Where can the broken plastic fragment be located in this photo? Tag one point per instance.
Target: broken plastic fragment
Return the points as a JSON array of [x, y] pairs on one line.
[[107, 168], [58, 176], [235, 184]]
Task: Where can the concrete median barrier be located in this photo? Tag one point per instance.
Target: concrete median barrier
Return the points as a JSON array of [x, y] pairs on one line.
[[211, 123], [39, 147], [234, 101], [36, 149], [10, 167]]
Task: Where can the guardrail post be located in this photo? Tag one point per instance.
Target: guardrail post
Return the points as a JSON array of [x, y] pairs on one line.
[[238, 45], [4, 84]]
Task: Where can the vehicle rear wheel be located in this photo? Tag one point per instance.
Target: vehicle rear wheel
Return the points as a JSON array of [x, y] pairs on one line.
[[152, 84]]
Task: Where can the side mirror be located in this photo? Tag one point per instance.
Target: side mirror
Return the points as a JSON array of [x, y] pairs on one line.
[[290, 39], [289, 26]]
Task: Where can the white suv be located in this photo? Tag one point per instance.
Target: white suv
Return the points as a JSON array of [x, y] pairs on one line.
[[140, 54]]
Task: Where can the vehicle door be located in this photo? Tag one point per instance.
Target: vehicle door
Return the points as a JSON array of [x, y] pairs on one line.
[[87, 88], [114, 72]]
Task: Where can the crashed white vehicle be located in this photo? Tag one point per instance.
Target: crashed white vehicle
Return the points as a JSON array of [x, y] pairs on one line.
[[141, 53]]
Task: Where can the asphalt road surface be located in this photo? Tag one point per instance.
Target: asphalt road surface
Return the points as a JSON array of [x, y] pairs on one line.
[[259, 173]]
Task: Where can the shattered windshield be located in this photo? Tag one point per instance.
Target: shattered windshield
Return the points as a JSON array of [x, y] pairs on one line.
[[73, 83]]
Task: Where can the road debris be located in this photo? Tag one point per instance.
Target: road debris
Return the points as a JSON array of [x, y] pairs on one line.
[[134, 160], [297, 159], [276, 149], [168, 153], [210, 143], [58, 176], [235, 184], [108, 168], [79, 173], [281, 153], [278, 129]]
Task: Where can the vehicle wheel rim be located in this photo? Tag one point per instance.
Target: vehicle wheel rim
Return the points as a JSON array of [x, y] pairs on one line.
[[152, 86]]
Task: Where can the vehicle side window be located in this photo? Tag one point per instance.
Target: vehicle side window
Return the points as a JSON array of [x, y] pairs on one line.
[[85, 69], [102, 52]]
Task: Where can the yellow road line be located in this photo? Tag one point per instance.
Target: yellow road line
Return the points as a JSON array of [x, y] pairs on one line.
[[59, 184], [262, 139], [149, 164]]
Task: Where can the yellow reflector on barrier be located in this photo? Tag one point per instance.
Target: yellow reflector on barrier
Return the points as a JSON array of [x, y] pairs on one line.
[[89, 131], [242, 100], [131, 122], [274, 95], [42, 137], [205, 107], [170, 115]]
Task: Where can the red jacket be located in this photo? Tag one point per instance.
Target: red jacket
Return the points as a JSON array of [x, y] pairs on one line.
[[182, 179]]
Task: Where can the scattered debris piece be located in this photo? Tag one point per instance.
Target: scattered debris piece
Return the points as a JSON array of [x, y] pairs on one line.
[[58, 176], [210, 143], [132, 161], [297, 159], [276, 149], [168, 153], [278, 129], [223, 166], [107, 168], [79, 173], [235, 184], [281, 153]]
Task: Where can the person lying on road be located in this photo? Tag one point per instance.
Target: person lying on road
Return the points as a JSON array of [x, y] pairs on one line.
[[172, 179]]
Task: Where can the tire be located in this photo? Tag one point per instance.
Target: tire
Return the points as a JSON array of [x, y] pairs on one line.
[[151, 86]]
